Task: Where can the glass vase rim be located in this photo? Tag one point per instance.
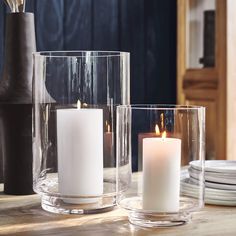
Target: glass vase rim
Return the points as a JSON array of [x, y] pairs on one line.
[[160, 107], [79, 54]]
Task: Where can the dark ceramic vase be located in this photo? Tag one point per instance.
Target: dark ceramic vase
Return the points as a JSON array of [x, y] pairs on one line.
[[16, 104]]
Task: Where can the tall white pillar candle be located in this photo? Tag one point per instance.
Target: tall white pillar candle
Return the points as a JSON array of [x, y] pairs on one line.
[[161, 174], [80, 153]]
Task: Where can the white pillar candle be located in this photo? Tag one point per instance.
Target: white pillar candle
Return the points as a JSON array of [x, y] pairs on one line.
[[161, 174], [80, 153]]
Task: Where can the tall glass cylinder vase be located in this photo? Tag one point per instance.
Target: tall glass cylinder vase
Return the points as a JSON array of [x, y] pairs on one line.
[[74, 128], [160, 169]]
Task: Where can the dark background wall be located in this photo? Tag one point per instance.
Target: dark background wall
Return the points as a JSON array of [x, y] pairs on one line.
[[145, 28]]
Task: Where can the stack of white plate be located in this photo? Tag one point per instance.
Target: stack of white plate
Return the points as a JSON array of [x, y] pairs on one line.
[[220, 182]]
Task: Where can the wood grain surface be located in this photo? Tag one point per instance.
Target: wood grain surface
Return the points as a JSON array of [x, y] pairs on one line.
[[160, 34], [22, 215], [49, 24], [105, 36], [78, 25], [132, 38]]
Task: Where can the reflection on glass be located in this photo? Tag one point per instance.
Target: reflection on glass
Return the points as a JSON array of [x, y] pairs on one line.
[[201, 33]]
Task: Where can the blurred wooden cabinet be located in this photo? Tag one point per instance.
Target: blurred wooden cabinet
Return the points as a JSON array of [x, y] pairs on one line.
[[207, 69]]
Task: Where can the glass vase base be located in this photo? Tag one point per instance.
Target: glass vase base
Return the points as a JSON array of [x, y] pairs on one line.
[[60, 206], [158, 220]]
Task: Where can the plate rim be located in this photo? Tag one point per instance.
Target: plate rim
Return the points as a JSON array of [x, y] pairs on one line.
[[218, 169]]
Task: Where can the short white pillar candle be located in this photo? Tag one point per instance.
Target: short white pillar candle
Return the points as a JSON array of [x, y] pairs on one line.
[[80, 153], [161, 174]]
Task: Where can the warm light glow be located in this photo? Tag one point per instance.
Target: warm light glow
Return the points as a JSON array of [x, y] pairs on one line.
[[157, 130], [163, 134], [108, 127], [78, 104], [162, 121]]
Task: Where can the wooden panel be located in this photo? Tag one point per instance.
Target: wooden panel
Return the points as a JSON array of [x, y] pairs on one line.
[[161, 30], [78, 25], [194, 84], [209, 99], [206, 74], [132, 39], [211, 126], [231, 82], [2, 27], [105, 25], [30, 6], [221, 63], [181, 49], [49, 24]]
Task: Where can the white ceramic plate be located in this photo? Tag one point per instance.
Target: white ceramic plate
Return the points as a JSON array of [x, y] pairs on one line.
[[212, 196], [214, 174], [209, 194], [219, 166], [216, 185], [216, 178], [211, 201]]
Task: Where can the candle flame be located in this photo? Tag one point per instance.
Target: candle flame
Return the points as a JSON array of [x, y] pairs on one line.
[[157, 130], [108, 127], [163, 134], [78, 104]]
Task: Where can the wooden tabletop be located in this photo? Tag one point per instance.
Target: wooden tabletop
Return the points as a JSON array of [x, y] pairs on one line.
[[22, 215]]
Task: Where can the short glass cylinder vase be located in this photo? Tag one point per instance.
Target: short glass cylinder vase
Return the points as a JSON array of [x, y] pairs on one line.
[[75, 95], [160, 163]]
